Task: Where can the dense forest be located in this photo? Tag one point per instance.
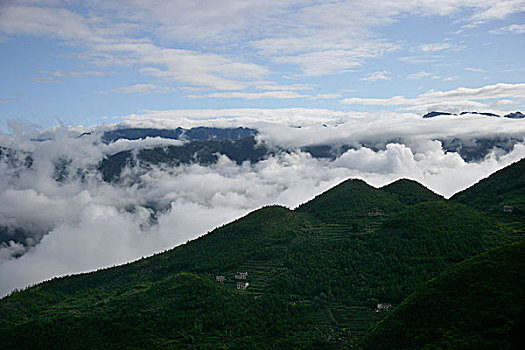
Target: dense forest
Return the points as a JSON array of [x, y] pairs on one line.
[[478, 304], [320, 276]]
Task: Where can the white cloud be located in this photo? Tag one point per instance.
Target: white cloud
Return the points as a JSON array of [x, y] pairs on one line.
[[94, 224], [460, 94], [271, 85], [325, 96], [418, 75], [210, 44], [434, 47], [77, 74], [476, 70], [141, 89], [282, 94], [279, 94], [16, 19], [419, 59], [184, 66], [45, 80], [498, 9], [233, 117], [513, 28], [375, 76]]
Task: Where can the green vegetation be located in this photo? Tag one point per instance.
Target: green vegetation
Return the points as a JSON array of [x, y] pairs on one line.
[[478, 304], [503, 188], [316, 275], [410, 192]]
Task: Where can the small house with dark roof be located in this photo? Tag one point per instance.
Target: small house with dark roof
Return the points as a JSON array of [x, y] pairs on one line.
[[241, 275], [220, 278]]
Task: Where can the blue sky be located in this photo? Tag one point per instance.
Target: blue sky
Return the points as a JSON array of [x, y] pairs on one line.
[[92, 62]]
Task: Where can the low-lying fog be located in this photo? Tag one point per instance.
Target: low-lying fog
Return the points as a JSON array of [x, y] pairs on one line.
[[82, 223]]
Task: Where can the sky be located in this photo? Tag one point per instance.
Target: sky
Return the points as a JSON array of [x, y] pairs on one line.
[[91, 62], [357, 73]]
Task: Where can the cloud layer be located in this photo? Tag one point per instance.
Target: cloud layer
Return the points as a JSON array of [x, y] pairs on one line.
[[89, 224], [220, 45]]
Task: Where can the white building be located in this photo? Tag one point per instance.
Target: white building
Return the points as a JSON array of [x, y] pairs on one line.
[[241, 275], [242, 285], [383, 307], [220, 278]]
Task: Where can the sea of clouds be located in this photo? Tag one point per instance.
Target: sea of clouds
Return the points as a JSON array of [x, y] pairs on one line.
[[83, 223]]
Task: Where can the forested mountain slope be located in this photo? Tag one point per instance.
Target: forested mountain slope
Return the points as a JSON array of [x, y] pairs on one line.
[[478, 304], [316, 276], [501, 195]]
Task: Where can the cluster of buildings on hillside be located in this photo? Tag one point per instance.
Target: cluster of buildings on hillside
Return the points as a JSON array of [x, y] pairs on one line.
[[238, 276]]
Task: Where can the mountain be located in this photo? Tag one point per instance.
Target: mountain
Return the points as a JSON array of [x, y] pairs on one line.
[[15, 159], [200, 133], [435, 114], [205, 152], [514, 115], [476, 149], [316, 276], [203, 145], [501, 196], [349, 202], [478, 304], [201, 152], [410, 192], [481, 113]]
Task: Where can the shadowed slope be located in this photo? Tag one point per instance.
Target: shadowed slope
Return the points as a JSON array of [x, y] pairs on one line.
[[478, 304], [504, 187]]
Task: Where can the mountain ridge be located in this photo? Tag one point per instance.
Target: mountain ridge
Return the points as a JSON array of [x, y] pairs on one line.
[[317, 277], [512, 115]]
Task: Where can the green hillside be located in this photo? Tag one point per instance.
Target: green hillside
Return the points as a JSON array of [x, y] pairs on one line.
[[351, 202], [410, 192], [506, 187], [478, 304], [316, 276]]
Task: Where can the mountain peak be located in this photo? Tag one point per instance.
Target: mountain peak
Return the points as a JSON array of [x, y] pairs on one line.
[[350, 199], [410, 192], [515, 115]]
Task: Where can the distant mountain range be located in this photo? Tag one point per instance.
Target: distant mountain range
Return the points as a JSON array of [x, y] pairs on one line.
[[320, 276], [194, 134], [515, 115], [204, 146]]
